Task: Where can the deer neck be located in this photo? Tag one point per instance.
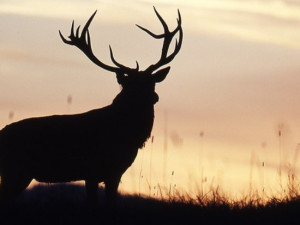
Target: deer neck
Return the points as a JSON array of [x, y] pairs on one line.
[[136, 114], [131, 101]]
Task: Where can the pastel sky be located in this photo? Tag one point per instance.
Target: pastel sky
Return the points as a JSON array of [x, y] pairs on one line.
[[233, 85]]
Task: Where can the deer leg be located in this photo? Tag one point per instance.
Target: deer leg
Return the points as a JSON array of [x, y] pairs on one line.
[[11, 187], [111, 189], [91, 187]]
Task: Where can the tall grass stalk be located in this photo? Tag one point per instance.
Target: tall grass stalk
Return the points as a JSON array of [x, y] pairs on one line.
[[280, 130], [166, 136], [141, 172], [150, 169]]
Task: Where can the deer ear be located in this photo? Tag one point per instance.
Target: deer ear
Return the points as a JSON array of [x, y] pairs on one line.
[[160, 75]]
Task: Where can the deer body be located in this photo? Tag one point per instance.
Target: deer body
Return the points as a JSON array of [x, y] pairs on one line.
[[96, 146], [74, 147]]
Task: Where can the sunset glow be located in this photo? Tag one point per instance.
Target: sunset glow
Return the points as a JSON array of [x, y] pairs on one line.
[[232, 88]]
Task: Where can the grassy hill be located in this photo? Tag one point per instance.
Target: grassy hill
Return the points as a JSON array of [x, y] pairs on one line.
[[65, 204]]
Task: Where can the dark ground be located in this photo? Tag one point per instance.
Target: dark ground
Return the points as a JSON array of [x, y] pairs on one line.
[[65, 204]]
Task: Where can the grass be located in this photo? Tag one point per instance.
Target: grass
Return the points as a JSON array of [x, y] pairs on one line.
[[65, 204]]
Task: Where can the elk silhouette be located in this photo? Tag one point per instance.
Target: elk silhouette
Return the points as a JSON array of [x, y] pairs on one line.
[[95, 146]]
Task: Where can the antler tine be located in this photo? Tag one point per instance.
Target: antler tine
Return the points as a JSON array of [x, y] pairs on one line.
[[177, 47], [77, 32], [178, 43], [167, 36], [83, 42], [164, 24], [178, 22], [114, 60], [86, 26], [71, 35], [150, 33]]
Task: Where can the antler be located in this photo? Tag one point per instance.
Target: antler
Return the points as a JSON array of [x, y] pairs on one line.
[[83, 42], [168, 37]]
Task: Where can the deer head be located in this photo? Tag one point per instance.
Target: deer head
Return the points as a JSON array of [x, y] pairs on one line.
[[133, 80]]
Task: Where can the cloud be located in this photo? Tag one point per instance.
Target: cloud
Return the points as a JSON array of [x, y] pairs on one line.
[[270, 21], [17, 54], [120, 11]]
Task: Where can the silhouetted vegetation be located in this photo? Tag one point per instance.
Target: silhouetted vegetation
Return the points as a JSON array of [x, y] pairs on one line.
[[66, 204]]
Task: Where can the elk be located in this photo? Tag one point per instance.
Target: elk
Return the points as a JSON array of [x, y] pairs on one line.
[[95, 146]]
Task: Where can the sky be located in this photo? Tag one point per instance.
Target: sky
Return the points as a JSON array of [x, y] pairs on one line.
[[231, 88]]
